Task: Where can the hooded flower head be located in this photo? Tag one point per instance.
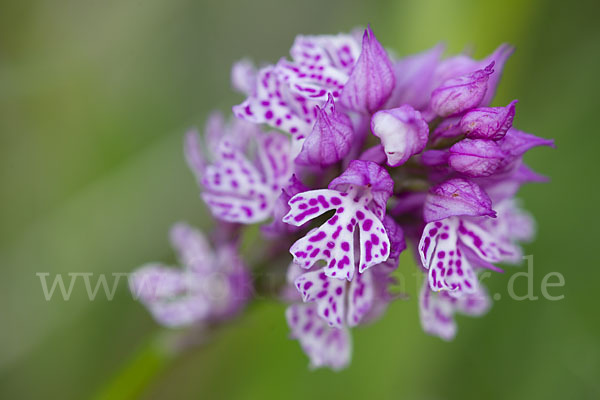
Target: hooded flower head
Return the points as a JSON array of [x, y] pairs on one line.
[[403, 133]]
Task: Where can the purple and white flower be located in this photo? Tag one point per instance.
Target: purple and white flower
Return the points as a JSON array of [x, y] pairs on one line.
[[358, 197], [211, 285], [239, 187], [444, 172]]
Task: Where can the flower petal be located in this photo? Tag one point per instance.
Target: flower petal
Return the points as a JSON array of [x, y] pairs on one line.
[[372, 79], [436, 310], [456, 197], [488, 122], [167, 295], [324, 346], [328, 293], [333, 242], [330, 139], [243, 77], [488, 247], [414, 78], [448, 268], [456, 95], [476, 157], [403, 133], [235, 190], [361, 295], [374, 243], [274, 104], [281, 207], [194, 250], [321, 65]]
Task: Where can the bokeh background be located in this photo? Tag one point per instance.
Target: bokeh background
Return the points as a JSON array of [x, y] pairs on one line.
[[94, 99]]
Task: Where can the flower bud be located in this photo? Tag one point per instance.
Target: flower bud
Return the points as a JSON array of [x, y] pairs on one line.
[[456, 197], [476, 157], [330, 138], [456, 95], [488, 122], [372, 79]]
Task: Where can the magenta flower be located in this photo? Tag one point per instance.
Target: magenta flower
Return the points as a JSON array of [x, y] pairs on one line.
[[335, 203]]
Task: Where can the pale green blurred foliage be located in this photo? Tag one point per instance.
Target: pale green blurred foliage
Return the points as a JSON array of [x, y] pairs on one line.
[[94, 99]]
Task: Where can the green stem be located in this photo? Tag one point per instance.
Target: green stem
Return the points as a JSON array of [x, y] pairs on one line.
[[153, 356]]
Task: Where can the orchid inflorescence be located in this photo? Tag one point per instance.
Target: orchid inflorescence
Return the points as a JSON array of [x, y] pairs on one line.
[[361, 151]]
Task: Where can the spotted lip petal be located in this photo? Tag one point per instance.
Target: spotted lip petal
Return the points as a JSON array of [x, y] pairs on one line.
[[484, 244], [460, 94], [476, 157], [333, 242], [328, 293], [274, 104], [325, 346], [372, 79], [237, 190], [488, 122], [448, 268], [495, 239], [339, 303], [361, 297], [456, 197], [436, 310], [330, 139], [320, 65], [403, 133]]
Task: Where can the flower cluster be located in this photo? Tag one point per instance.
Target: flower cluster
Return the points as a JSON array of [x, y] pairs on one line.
[[342, 152]]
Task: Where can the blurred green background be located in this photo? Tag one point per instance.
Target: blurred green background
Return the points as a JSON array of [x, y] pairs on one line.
[[94, 99]]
